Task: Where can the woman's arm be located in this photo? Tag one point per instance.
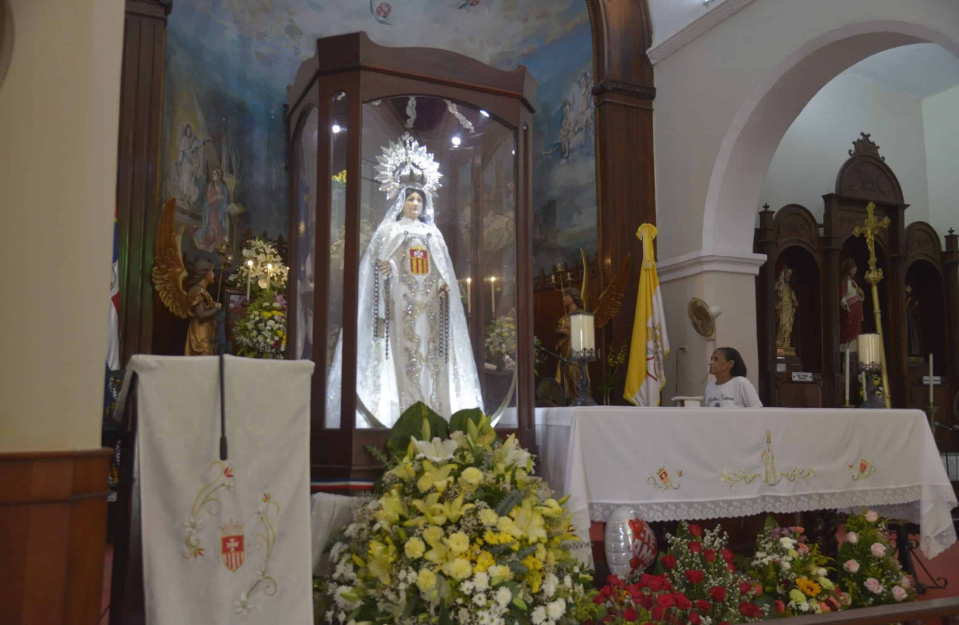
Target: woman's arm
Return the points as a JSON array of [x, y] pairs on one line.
[[748, 395]]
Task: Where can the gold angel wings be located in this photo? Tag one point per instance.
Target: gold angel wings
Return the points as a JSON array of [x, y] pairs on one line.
[[169, 272], [611, 300]]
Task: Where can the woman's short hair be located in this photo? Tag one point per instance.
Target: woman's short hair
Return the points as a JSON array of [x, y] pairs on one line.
[[739, 367]]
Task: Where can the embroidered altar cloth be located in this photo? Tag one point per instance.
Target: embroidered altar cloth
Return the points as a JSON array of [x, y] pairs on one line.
[[224, 541], [676, 463]]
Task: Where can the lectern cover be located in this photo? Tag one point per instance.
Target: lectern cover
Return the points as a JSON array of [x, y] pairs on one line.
[[224, 541]]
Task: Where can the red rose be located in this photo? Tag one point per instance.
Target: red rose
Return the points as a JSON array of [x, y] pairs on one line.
[[731, 568], [665, 584], [655, 584], [694, 577], [695, 530], [832, 603], [669, 562], [702, 606], [607, 619], [744, 588], [718, 593], [780, 607], [681, 601], [694, 619], [710, 555], [599, 599], [630, 615], [648, 602], [745, 609], [612, 580], [657, 613], [634, 563], [665, 601], [727, 555], [607, 591], [696, 547], [644, 580]]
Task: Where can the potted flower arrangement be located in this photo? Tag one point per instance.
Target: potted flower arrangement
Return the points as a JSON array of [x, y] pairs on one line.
[[459, 532], [262, 268], [794, 574], [501, 340], [615, 359], [869, 572], [261, 332], [877, 384]]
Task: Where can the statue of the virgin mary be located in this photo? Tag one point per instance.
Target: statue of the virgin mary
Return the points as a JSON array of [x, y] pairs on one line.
[[413, 343]]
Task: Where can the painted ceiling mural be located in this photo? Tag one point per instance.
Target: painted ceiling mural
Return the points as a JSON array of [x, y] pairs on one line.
[[229, 63]]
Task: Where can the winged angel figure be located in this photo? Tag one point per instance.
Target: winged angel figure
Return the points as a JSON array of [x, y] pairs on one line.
[[610, 303], [182, 291]]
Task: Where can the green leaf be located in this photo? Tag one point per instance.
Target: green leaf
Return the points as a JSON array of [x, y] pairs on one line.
[[458, 422], [410, 424], [518, 569], [771, 522]]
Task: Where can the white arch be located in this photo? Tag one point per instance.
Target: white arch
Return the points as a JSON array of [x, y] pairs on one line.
[[781, 94]]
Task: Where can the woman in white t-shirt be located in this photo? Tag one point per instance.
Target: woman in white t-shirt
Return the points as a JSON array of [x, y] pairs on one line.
[[731, 389]]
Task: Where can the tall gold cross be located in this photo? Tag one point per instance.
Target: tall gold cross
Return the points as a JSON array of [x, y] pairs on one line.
[[869, 230]]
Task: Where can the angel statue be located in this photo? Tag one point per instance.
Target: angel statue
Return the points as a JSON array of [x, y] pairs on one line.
[[610, 303], [786, 306], [193, 301], [413, 344]]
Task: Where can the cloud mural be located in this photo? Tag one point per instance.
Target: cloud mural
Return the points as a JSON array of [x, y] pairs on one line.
[[230, 61]]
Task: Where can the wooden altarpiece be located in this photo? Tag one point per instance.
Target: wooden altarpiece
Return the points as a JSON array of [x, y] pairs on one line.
[[346, 103], [910, 255]]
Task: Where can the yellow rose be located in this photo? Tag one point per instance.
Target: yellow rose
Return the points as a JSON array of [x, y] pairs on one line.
[[472, 477], [433, 534], [426, 580], [458, 543], [488, 517], [460, 568], [414, 548]]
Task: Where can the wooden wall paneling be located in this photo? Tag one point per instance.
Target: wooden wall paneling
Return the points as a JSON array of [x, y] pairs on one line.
[[765, 300], [53, 514], [138, 167], [625, 176], [950, 262]]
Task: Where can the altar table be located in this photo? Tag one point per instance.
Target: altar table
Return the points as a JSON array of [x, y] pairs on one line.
[[695, 464]]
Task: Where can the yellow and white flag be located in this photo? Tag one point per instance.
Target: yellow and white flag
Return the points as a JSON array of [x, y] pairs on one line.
[[646, 374]]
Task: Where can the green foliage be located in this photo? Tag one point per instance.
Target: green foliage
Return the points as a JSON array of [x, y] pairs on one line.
[[458, 422], [410, 424]]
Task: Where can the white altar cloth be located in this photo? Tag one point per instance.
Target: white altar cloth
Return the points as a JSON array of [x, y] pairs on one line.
[[224, 541], [676, 463]]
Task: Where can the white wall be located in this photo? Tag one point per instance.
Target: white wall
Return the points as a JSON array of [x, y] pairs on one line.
[[59, 112], [818, 142], [940, 116]]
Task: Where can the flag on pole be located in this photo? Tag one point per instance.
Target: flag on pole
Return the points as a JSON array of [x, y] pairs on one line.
[[646, 374], [110, 385]]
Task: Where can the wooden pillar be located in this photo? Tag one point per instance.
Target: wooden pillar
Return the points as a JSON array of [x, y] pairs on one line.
[[765, 298], [895, 309], [138, 168], [950, 262], [832, 370], [625, 177]]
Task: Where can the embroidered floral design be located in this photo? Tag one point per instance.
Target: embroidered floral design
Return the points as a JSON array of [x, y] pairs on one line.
[[266, 538], [862, 470], [662, 480], [206, 500], [381, 12], [770, 474]]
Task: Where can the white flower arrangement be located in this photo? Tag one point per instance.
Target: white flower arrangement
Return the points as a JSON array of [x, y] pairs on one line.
[[266, 262]]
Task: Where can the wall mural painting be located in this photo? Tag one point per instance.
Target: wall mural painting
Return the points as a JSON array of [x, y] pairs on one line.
[[229, 63]]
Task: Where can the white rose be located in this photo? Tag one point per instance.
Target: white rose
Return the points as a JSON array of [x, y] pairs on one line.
[[852, 538], [871, 516]]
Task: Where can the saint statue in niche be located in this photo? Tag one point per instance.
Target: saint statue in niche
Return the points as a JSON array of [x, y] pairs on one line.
[[912, 323], [850, 308], [786, 306], [413, 343]]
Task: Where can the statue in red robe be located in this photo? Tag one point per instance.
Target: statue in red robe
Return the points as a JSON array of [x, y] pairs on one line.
[[850, 308]]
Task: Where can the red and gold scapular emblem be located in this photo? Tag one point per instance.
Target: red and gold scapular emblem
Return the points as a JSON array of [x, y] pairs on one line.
[[419, 261], [232, 545]]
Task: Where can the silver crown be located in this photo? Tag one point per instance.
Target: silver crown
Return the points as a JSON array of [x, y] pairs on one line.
[[404, 164]]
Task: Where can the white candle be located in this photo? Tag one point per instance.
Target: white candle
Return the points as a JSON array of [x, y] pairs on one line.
[[930, 380], [249, 276], [847, 377], [582, 334], [269, 269], [469, 296], [492, 291]]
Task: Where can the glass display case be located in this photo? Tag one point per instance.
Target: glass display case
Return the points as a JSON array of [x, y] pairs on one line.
[[411, 234]]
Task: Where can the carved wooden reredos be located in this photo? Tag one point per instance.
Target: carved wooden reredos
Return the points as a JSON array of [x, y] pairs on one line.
[[923, 243], [865, 175], [795, 225]]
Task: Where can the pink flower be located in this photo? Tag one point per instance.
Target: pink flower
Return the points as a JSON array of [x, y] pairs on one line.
[[383, 10], [851, 566], [878, 550], [871, 516], [873, 585], [852, 538], [906, 582], [898, 593]]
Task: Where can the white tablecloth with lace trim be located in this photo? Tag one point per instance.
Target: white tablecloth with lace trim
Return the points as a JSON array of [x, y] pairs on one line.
[[680, 463]]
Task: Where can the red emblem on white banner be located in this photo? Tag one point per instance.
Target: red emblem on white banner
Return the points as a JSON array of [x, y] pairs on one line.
[[231, 546], [419, 261]]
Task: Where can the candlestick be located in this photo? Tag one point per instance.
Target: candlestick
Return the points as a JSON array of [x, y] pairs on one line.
[[269, 269], [931, 402], [864, 398], [492, 291], [469, 296], [847, 377], [249, 276]]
